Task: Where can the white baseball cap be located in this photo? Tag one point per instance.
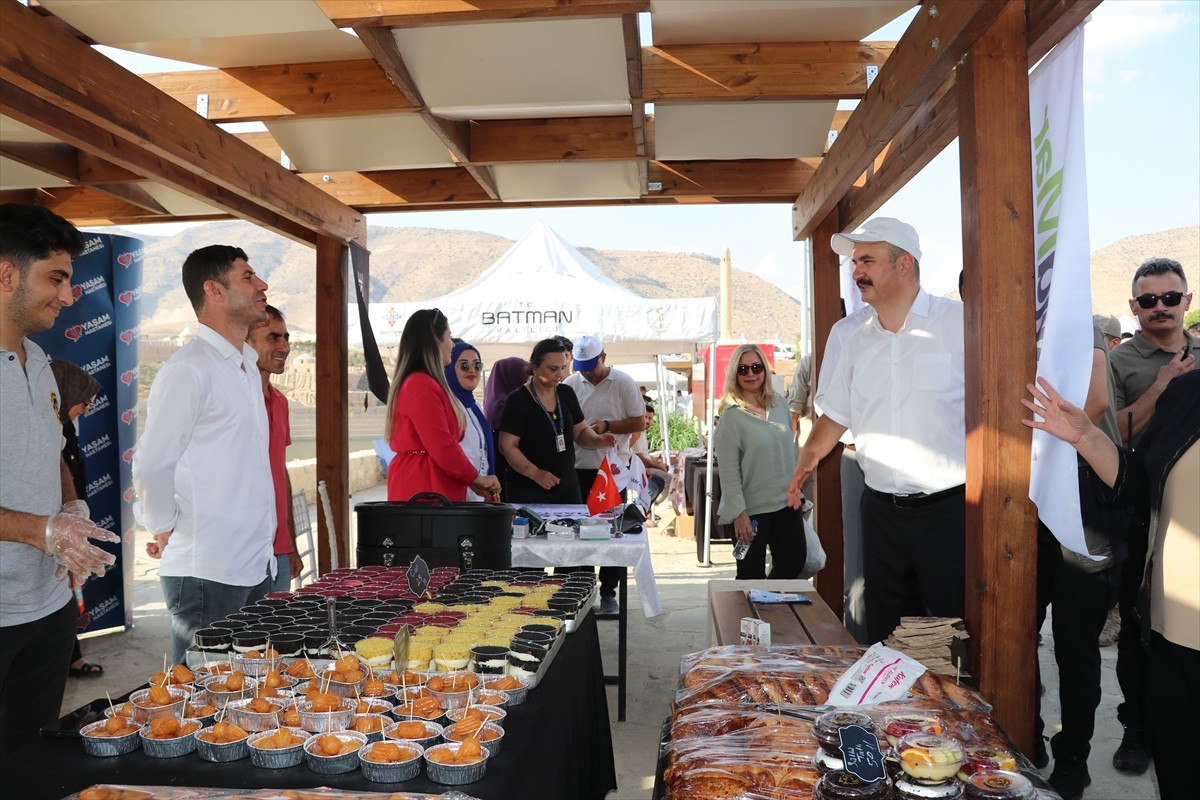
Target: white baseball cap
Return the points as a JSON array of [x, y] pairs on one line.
[[587, 353], [879, 229]]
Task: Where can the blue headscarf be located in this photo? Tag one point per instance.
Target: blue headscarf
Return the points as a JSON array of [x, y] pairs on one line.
[[468, 401]]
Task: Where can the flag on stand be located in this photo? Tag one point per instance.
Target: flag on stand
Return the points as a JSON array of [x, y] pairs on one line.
[[604, 493]]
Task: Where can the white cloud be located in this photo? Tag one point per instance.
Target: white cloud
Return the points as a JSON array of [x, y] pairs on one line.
[[1118, 25]]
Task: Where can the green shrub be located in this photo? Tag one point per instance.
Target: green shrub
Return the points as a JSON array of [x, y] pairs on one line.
[[1191, 318], [681, 428]]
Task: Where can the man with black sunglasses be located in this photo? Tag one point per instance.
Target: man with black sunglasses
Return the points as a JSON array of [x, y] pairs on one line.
[[1142, 368]]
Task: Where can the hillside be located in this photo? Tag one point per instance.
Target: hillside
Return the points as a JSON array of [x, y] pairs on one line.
[[422, 263], [1113, 266]]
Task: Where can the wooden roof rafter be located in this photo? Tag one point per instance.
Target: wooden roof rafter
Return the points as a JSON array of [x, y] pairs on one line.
[[402, 14], [935, 124], [53, 82]]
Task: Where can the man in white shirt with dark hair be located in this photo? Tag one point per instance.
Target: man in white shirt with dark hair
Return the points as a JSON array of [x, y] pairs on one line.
[[201, 469], [899, 385]]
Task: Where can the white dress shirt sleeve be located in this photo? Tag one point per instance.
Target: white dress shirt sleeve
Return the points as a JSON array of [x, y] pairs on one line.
[[171, 411]]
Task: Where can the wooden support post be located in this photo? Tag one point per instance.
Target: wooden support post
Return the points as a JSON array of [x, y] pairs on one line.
[[997, 226], [333, 423], [827, 484]]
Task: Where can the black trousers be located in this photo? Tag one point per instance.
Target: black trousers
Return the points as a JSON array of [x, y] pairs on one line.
[[34, 658], [783, 532], [1132, 658], [913, 560], [1081, 601], [1172, 703], [609, 576]]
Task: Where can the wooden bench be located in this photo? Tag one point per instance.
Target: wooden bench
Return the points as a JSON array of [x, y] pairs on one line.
[[791, 623]]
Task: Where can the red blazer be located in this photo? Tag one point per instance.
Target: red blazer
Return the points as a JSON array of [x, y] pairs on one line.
[[425, 436]]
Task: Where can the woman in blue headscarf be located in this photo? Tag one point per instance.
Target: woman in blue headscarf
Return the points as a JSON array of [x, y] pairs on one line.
[[463, 374]]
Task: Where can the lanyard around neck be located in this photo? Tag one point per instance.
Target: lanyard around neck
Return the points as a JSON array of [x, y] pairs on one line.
[[555, 420]]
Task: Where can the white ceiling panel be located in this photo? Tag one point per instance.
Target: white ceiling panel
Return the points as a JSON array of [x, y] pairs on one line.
[[692, 131], [221, 33], [178, 203], [509, 70], [715, 21], [360, 143], [15, 175], [596, 181], [13, 131]]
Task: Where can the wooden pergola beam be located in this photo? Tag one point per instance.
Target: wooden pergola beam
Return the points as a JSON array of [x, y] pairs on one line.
[[922, 61], [405, 14], [762, 181], [39, 61], [90, 206], [62, 161], [75, 131], [933, 128], [708, 73], [321, 89], [998, 296], [552, 140]]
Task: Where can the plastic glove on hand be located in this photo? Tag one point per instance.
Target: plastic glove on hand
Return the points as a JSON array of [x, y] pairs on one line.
[[67, 539]]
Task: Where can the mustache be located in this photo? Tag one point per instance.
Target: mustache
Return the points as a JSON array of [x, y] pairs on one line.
[[1161, 315], [861, 282]]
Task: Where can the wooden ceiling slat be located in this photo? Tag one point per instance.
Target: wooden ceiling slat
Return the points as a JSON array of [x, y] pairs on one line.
[[62, 161], [922, 61], [405, 13], [760, 181], [42, 63], [401, 187], [88, 206], [553, 140], [329, 88], [695, 73]]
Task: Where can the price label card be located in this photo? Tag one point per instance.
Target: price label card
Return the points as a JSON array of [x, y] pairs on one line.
[[860, 752], [418, 577]]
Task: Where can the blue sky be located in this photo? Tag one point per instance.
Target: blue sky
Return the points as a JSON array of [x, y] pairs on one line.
[[1142, 117]]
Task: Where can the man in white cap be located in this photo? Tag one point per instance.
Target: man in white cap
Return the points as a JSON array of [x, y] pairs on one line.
[[612, 403], [899, 385]]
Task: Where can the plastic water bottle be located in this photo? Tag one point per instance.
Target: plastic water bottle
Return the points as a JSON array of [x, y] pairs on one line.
[[741, 548]]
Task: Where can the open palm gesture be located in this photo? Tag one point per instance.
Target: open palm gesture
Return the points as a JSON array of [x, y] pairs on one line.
[[1058, 417]]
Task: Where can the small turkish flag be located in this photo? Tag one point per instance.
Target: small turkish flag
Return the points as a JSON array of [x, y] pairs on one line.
[[604, 494]]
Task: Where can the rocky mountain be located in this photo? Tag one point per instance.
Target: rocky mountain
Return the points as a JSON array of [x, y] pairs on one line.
[[422, 263], [1113, 266]]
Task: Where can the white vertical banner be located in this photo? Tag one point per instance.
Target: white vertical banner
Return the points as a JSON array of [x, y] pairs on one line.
[[1063, 286]]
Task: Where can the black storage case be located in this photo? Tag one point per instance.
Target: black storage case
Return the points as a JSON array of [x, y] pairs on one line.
[[445, 534]]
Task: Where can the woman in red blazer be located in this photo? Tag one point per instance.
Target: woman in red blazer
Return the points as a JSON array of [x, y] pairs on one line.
[[425, 422]]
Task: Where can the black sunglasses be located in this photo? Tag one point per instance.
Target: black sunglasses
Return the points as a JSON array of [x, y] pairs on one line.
[[465, 366], [1169, 299], [746, 369]]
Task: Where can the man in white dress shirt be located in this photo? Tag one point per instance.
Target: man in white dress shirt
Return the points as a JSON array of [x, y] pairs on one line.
[[899, 385], [201, 470]]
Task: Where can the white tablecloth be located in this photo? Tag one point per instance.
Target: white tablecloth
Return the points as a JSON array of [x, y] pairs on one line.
[[630, 550]]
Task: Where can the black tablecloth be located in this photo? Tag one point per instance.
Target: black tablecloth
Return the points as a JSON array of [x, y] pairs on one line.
[[557, 744]]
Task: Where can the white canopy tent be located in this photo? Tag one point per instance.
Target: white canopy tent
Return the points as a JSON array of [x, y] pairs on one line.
[[544, 287]]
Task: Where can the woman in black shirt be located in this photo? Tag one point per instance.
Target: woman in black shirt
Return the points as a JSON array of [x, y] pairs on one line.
[[541, 424]]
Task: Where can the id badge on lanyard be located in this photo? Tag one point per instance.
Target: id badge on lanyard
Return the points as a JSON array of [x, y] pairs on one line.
[[560, 441]]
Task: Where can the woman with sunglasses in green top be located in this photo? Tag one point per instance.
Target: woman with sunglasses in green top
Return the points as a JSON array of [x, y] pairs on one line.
[[755, 459]]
